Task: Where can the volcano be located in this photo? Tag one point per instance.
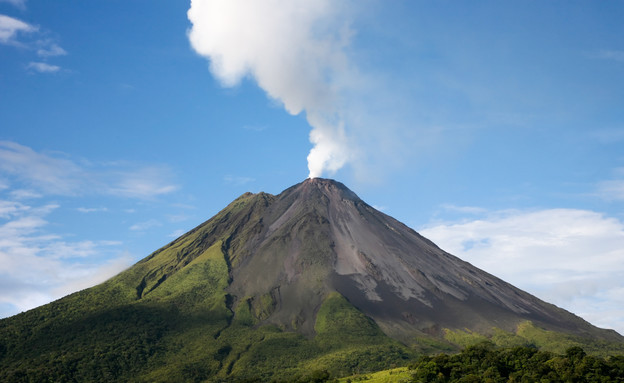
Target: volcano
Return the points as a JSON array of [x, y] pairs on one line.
[[274, 285]]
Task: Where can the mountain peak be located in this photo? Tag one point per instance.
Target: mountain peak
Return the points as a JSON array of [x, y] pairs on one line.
[[286, 253], [327, 182], [317, 187], [310, 276], [318, 237]]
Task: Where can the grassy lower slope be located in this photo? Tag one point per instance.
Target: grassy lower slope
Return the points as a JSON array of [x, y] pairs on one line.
[[529, 335], [186, 329], [394, 375]]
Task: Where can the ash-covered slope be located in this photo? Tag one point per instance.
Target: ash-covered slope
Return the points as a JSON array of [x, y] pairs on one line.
[[318, 236]]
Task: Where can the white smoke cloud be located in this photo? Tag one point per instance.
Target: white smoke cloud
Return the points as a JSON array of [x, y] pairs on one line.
[[295, 51]]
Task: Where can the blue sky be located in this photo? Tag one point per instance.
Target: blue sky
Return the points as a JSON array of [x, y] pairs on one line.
[[496, 129]]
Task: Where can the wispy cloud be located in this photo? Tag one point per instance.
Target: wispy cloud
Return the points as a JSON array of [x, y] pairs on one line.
[[45, 172], [608, 136], [11, 208], [142, 182], [21, 4], [91, 209], [573, 258], [10, 28], [37, 267], [177, 233], [43, 67], [611, 190], [50, 49], [175, 218], [238, 180], [464, 209], [22, 194], [142, 226], [255, 128], [18, 33], [57, 174], [615, 55]]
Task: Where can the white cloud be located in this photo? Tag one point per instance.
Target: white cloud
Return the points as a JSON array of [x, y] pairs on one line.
[[50, 49], [58, 175], [572, 258], [21, 34], [21, 4], [51, 174], [142, 182], [81, 276], [10, 27], [612, 190], [37, 267], [142, 226], [9, 209], [23, 194], [43, 67]]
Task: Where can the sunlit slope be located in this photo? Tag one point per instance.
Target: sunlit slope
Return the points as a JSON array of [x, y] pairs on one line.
[[277, 287]]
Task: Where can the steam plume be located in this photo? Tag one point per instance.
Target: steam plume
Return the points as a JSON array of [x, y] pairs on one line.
[[295, 51]]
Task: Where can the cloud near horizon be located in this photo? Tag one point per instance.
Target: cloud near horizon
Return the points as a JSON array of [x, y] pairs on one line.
[[572, 258], [37, 267], [39, 261]]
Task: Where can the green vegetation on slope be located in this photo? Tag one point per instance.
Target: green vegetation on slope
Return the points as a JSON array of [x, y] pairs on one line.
[[174, 317], [184, 331], [530, 335], [162, 339], [394, 375], [484, 363]]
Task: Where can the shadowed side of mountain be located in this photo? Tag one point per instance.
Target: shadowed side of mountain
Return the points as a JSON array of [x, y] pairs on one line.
[[276, 286]]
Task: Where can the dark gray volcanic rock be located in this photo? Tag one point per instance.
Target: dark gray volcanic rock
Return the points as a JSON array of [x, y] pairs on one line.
[[314, 260], [318, 236]]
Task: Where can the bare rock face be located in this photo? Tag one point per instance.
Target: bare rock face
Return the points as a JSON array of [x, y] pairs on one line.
[[317, 237]]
